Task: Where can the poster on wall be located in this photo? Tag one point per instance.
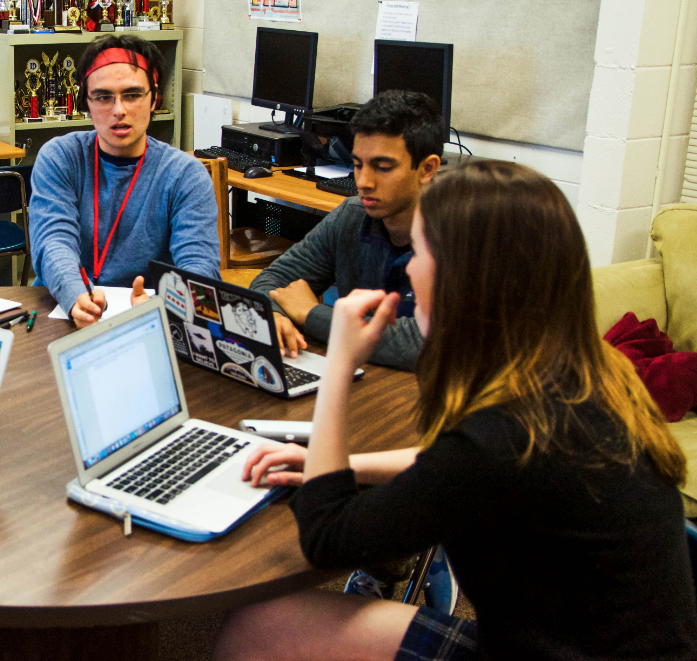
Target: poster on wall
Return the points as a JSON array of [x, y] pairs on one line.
[[275, 10]]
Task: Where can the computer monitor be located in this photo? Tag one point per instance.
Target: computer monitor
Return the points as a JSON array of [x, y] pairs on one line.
[[417, 67], [284, 74]]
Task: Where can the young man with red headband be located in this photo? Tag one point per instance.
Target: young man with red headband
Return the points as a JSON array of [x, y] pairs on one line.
[[113, 199]]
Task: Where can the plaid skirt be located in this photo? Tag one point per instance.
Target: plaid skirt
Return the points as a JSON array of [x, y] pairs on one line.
[[438, 637]]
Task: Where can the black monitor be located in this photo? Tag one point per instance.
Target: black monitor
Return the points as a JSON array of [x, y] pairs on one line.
[[417, 67], [284, 74]]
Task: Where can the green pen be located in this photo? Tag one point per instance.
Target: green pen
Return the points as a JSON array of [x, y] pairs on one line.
[[32, 319]]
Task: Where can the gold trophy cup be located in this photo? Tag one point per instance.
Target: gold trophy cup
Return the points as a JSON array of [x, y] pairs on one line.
[[165, 23], [105, 25]]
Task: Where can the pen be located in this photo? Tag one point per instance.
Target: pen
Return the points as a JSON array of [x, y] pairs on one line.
[[86, 280], [10, 317], [16, 320], [32, 319]]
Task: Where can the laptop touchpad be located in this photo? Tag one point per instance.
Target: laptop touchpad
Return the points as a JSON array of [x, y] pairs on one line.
[[230, 482]]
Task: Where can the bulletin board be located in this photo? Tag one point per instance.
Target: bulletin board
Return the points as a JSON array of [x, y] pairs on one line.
[[522, 69]]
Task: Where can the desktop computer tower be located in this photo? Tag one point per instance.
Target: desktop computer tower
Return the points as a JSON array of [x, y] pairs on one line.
[[249, 139]]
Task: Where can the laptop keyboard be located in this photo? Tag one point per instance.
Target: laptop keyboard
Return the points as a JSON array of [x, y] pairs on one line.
[[178, 465], [297, 377]]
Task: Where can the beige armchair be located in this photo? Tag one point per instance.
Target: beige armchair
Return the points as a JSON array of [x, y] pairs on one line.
[[664, 288]]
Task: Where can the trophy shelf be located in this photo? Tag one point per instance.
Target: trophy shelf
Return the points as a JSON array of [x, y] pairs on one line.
[[17, 49], [76, 123]]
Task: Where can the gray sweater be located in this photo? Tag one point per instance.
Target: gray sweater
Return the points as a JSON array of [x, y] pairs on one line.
[[170, 216], [351, 250]]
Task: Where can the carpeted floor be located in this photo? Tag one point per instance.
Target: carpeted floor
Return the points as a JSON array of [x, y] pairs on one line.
[[192, 639]]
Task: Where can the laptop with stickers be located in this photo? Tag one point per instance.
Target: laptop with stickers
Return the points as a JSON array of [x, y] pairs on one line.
[[136, 449], [231, 330]]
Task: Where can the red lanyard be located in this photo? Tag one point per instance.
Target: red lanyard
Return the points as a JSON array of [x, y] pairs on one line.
[[98, 263]]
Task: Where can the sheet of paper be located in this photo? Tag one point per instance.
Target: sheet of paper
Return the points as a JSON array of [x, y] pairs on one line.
[[396, 21], [329, 171], [118, 300], [6, 305]]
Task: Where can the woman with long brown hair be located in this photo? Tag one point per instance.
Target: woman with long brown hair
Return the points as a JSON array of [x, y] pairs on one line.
[[546, 472]]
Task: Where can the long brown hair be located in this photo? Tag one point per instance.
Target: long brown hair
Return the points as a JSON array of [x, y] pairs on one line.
[[513, 317]]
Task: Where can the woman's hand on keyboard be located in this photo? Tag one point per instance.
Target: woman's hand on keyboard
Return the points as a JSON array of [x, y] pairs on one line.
[[280, 465]]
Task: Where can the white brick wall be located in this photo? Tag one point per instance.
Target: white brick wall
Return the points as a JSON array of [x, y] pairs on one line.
[[188, 14], [634, 51]]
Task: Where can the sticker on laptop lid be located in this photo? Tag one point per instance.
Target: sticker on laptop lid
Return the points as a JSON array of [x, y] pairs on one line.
[[244, 317], [201, 345], [204, 301], [266, 376], [176, 296], [238, 373], [177, 333], [234, 350]]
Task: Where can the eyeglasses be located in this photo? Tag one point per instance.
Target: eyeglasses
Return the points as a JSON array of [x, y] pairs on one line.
[[129, 99]]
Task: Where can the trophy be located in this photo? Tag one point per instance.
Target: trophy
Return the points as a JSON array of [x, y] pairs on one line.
[[33, 74], [165, 23], [65, 91], [15, 11], [73, 18], [129, 16], [51, 92], [72, 89], [21, 103], [154, 13], [73, 15], [119, 12], [105, 25]]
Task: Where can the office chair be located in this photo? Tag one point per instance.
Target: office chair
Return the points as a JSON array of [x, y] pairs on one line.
[[14, 240], [418, 576]]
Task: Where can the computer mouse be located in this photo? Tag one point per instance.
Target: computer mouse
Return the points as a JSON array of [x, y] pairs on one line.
[[256, 172]]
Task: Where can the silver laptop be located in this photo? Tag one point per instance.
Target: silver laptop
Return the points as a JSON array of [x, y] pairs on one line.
[[130, 430]]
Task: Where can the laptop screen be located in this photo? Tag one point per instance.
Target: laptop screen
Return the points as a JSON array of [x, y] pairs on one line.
[[119, 386]]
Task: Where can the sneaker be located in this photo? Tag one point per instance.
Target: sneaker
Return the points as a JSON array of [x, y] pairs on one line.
[[364, 584], [440, 587]]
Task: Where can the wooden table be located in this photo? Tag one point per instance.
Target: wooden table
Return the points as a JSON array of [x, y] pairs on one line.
[[62, 565], [284, 187], [8, 151]]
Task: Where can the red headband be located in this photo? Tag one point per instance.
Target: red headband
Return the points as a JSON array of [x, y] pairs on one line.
[[119, 56]]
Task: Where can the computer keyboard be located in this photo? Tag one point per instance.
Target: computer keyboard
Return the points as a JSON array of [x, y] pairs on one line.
[[297, 377], [345, 186], [179, 464], [235, 160]]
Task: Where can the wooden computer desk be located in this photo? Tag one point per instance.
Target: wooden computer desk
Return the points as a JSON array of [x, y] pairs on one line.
[[283, 187], [8, 151], [62, 565]]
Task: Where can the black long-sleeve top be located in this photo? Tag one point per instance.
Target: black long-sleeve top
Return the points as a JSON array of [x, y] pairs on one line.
[[560, 559]]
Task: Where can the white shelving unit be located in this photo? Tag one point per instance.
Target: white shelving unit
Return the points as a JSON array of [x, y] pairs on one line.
[[16, 50]]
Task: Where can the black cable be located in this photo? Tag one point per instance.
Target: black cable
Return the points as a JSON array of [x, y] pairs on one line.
[[459, 142], [273, 121]]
